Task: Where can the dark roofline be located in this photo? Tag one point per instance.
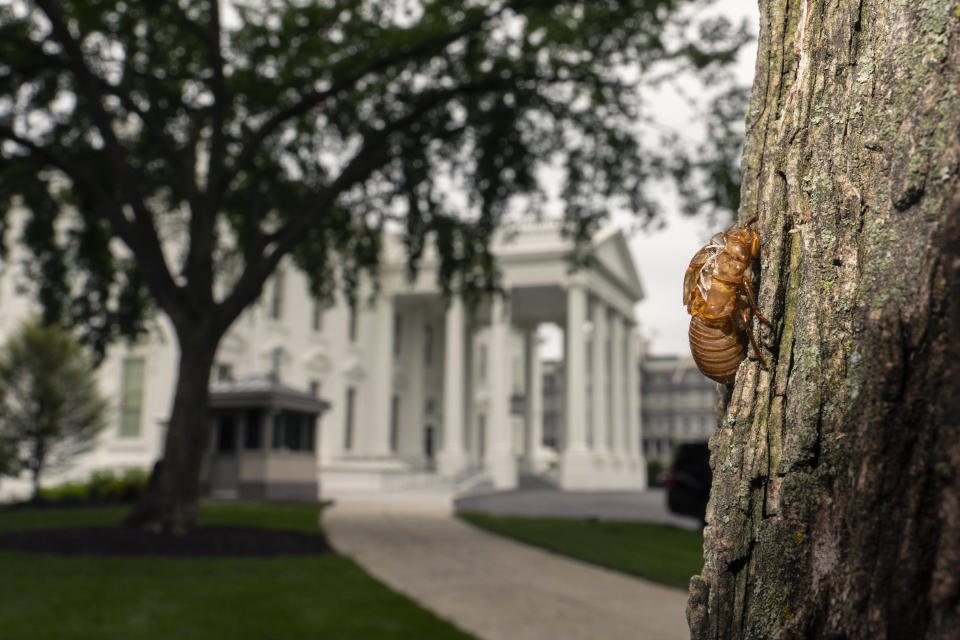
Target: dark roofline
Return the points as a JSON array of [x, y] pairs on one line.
[[262, 392]]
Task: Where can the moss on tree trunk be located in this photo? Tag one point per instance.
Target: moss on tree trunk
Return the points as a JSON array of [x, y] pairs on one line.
[[835, 510]]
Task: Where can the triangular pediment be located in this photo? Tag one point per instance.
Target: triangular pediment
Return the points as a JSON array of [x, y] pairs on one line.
[[612, 254]]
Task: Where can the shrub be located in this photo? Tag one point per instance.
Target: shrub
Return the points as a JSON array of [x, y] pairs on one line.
[[66, 493], [103, 486], [133, 484]]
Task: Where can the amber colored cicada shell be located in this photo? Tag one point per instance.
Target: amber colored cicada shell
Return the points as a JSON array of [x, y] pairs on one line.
[[720, 300]]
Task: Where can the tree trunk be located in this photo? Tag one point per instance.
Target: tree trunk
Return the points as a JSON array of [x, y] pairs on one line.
[[835, 510], [171, 501]]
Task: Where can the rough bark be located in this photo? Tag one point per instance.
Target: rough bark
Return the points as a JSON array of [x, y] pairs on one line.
[[835, 510]]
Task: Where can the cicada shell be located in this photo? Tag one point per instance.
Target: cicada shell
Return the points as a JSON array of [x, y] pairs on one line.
[[720, 301]]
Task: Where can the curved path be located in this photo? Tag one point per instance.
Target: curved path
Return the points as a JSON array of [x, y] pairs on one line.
[[496, 588]]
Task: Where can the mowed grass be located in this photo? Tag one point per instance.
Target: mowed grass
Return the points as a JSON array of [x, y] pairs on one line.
[[326, 596], [659, 553]]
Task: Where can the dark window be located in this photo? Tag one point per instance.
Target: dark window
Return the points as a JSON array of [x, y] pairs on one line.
[[294, 431], [348, 426], [252, 430], [397, 333], [224, 372], [309, 433], [226, 434], [292, 426], [394, 422], [428, 444]]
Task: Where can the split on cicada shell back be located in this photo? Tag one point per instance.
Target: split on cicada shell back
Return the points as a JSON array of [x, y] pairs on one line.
[[716, 246]]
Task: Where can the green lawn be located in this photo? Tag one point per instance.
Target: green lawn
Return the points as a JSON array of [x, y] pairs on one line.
[[328, 596], [659, 553]]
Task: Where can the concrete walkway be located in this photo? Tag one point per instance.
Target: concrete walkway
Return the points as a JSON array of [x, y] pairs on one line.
[[496, 588]]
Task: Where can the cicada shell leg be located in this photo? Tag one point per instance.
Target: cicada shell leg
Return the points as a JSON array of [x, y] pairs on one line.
[[753, 302], [746, 314]]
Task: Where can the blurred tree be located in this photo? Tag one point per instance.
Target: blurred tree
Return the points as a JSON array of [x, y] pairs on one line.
[[50, 407], [173, 153]]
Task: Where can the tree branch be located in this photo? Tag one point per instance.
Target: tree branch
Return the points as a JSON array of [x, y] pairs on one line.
[[110, 209], [372, 155], [312, 99], [143, 239], [203, 215]]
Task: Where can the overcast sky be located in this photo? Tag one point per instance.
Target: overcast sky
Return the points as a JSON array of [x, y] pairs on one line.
[[663, 256]]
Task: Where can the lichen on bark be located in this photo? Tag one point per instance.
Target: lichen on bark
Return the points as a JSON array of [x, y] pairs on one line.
[[835, 510]]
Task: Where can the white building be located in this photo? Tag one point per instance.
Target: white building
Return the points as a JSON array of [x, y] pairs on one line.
[[420, 392], [678, 405]]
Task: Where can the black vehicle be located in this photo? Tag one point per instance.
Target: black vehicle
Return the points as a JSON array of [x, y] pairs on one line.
[[688, 480]]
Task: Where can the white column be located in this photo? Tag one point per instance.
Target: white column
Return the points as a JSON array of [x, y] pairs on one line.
[[376, 442], [601, 413], [618, 405], [469, 392], [533, 388], [452, 459], [500, 460], [575, 465], [633, 407]]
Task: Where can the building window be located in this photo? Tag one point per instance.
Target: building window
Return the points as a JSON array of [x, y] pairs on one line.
[[482, 363], [352, 323], [131, 397], [316, 318], [277, 439], [348, 415], [293, 431], [224, 372], [315, 388], [226, 434], [394, 422], [427, 344], [276, 299], [397, 332], [252, 430], [517, 383]]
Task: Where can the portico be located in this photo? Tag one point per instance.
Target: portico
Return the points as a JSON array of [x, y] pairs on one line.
[[455, 395]]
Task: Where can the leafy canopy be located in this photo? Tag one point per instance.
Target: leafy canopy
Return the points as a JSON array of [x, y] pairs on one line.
[[213, 139], [50, 406]]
